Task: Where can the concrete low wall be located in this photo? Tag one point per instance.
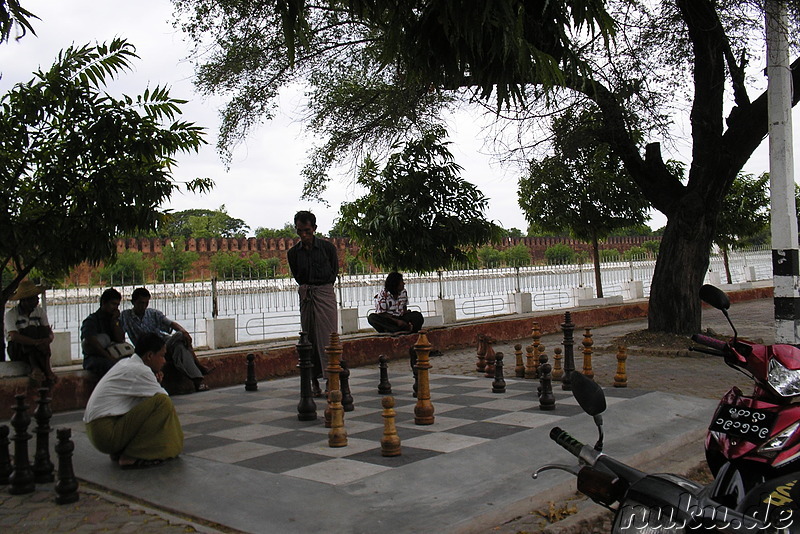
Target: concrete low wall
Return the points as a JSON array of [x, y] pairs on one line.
[[274, 360]]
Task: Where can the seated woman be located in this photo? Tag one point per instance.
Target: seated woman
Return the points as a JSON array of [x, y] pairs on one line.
[[391, 313], [28, 333], [129, 415]]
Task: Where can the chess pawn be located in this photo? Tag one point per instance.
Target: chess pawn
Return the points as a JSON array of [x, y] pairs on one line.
[[547, 400], [558, 372], [390, 442], [67, 484], [250, 383], [499, 383], [5, 459], [481, 363], [337, 435], [21, 480], [490, 359], [530, 367], [347, 398], [587, 354], [384, 387], [519, 369], [306, 408], [621, 377], [43, 468], [423, 410]]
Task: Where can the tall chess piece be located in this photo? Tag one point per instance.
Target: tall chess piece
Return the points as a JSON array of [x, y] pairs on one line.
[[423, 410], [547, 400], [587, 353], [67, 484], [306, 408], [21, 479], [480, 365], [43, 468], [384, 387], [621, 377], [490, 358], [347, 397], [334, 369], [499, 383], [250, 384], [5, 459], [569, 358], [519, 369], [337, 435], [536, 335], [390, 442]]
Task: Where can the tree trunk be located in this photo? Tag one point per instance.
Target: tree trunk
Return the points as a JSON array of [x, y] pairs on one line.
[[727, 263], [598, 279]]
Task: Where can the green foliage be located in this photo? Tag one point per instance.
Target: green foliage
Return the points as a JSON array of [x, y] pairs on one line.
[[632, 231], [129, 267], [354, 264], [14, 15], [745, 210], [237, 266], [635, 253], [287, 231], [79, 166], [202, 223], [559, 254], [514, 232], [517, 256], [175, 261], [651, 246], [490, 257], [610, 254], [418, 215]]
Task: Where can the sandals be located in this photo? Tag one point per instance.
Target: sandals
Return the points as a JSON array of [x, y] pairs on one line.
[[141, 463]]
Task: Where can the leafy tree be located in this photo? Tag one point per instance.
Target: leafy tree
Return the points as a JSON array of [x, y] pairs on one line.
[[582, 187], [175, 261], [632, 231], [744, 213], [14, 15], [559, 254], [635, 253], [287, 231], [418, 215], [610, 254], [489, 257], [651, 246], [517, 256], [514, 232], [337, 230], [128, 267], [354, 264], [233, 266], [203, 223], [80, 166]]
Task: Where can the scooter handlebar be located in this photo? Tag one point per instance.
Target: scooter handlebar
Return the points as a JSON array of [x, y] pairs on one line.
[[561, 437], [710, 342]]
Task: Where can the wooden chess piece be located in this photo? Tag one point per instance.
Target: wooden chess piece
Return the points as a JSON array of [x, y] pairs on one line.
[[558, 372], [384, 387], [306, 408], [621, 377], [43, 468], [67, 484], [423, 410], [519, 369], [569, 358], [5, 458], [390, 442], [21, 480], [490, 358], [334, 369], [481, 363], [344, 379], [587, 353], [547, 400], [499, 383], [337, 435], [536, 335], [250, 383], [530, 367]]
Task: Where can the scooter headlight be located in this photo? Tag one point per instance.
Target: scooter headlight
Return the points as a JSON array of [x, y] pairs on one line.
[[785, 382], [777, 443]]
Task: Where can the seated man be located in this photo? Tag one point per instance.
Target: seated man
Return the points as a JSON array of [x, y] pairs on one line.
[[129, 415], [99, 331], [391, 313], [28, 333], [141, 319]]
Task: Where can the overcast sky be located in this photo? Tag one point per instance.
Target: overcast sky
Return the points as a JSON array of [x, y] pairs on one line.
[[263, 185]]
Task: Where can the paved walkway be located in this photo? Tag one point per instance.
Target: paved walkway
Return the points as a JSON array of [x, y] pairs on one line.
[[650, 368]]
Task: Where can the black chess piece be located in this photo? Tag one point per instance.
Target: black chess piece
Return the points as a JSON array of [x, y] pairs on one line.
[[569, 357], [250, 384], [67, 484], [306, 408], [5, 459], [344, 382], [21, 480], [547, 400], [43, 468], [499, 383], [384, 387]]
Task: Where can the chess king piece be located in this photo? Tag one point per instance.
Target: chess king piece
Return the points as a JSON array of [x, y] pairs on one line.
[[519, 369], [390, 442], [306, 408], [21, 480], [384, 387], [423, 410], [587, 353], [5, 459], [621, 377], [43, 468], [250, 383], [558, 372], [337, 435], [499, 383], [569, 357], [334, 352], [67, 484], [480, 365], [347, 397], [490, 358]]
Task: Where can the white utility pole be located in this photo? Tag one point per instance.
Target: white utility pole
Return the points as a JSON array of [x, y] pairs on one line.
[[785, 258]]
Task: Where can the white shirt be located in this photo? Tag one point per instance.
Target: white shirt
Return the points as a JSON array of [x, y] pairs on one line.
[[124, 386], [15, 321]]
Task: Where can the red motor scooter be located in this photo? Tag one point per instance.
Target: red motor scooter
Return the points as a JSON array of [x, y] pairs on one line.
[[752, 438]]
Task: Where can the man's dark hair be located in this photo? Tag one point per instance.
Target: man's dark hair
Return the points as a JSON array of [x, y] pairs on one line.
[[149, 342], [392, 284], [110, 294], [305, 217], [140, 292]]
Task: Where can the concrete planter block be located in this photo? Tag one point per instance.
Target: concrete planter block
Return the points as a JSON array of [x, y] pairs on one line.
[[605, 301], [61, 349], [348, 320], [522, 302], [750, 274], [581, 293], [221, 332], [713, 278], [446, 308], [634, 289], [433, 320], [12, 369]]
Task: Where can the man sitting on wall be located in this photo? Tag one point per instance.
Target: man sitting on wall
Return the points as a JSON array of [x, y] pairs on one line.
[[142, 319], [99, 332]]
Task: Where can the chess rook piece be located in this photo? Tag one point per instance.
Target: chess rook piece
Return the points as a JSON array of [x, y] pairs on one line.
[[490, 358], [21, 480], [43, 468], [480, 365], [67, 484], [384, 387], [547, 400], [344, 379], [621, 377], [558, 372], [423, 410], [390, 442], [519, 369], [250, 383], [499, 383], [334, 369], [337, 435], [569, 358], [306, 408], [530, 367], [587, 353], [5, 459]]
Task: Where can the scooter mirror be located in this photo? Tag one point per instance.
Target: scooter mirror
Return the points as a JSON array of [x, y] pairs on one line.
[[714, 297], [588, 394]]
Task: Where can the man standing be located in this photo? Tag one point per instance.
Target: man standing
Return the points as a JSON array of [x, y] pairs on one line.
[[142, 319], [315, 266], [99, 331]]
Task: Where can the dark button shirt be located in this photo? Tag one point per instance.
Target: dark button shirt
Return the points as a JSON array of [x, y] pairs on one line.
[[316, 266]]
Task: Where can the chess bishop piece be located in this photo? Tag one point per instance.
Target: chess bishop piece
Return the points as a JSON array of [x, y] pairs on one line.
[[43, 468]]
